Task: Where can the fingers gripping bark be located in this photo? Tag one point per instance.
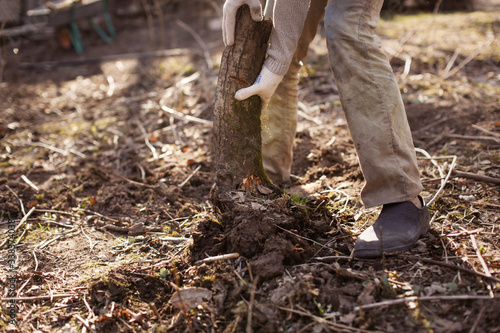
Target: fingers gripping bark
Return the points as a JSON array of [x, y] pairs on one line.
[[264, 86], [229, 17]]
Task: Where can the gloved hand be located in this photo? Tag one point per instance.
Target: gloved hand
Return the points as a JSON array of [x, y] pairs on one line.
[[264, 86], [229, 17]]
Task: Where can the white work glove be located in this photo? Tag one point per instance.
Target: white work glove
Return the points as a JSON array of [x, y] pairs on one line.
[[229, 17], [264, 86]]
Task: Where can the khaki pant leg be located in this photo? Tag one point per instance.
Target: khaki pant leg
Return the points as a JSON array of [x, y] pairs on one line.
[[279, 119], [372, 102]]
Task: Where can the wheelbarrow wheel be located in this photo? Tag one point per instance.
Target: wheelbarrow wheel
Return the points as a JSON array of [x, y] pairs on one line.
[[63, 38]]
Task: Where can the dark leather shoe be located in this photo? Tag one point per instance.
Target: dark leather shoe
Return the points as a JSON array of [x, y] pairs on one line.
[[397, 228]]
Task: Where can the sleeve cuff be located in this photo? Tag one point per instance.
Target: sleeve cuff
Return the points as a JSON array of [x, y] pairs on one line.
[[276, 67]]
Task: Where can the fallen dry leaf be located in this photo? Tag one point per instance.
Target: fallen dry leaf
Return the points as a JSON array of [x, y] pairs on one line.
[[189, 298]]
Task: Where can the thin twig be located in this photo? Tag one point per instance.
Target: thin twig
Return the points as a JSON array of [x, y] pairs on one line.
[[23, 220], [468, 59], [472, 137], [199, 40], [50, 147], [436, 7], [221, 257], [149, 20], [95, 213], [333, 258], [481, 260], [36, 261], [451, 62], [419, 299], [321, 320], [91, 313], [187, 117], [34, 298], [403, 41], [159, 14], [485, 130], [46, 219], [190, 176], [30, 183], [146, 140], [251, 305], [445, 180], [174, 239], [470, 175], [84, 322], [464, 232], [136, 183], [478, 320], [90, 240], [431, 125], [460, 268], [109, 58], [19, 199], [299, 236]]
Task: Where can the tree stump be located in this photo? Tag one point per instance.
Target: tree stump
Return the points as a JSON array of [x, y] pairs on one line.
[[237, 125]]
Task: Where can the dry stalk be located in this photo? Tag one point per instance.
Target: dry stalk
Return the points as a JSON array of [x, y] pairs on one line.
[[420, 299], [49, 147], [190, 176], [469, 175], [149, 19], [159, 13], [146, 140], [50, 221], [403, 41], [95, 213], [251, 305], [35, 298], [221, 257], [472, 137], [19, 199], [483, 263], [108, 58], [36, 260], [30, 183], [469, 58], [185, 117], [478, 320], [299, 236], [337, 327], [216, 7], [431, 125], [451, 62], [90, 240], [199, 40], [84, 322], [439, 263], [91, 313], [3, 50], [23, 220], [445, 180], [485, 130]]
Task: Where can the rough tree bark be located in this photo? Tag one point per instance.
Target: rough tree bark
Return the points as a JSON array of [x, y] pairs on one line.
[[237, 126]]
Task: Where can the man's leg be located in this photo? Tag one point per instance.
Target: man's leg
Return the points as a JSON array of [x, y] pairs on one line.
[[279, 119], [377, 121]]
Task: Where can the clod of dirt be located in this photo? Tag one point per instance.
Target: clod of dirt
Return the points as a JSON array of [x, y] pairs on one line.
[[269, 239]]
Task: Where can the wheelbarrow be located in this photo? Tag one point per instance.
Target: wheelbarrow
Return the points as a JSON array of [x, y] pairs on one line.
[[65, 14]]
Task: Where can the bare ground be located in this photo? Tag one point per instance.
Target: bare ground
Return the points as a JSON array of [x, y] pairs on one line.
[[111, 190]]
